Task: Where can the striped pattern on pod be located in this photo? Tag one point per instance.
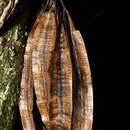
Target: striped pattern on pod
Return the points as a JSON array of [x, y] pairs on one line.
[[41, 63], [83, 114], [56, 66], [61, 85]]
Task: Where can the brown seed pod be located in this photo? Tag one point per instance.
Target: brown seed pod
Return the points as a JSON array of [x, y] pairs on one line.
[[38, 51], [87, 94], [41, 56], [56, 64], [82, 121], [61, 86], [26, 97]]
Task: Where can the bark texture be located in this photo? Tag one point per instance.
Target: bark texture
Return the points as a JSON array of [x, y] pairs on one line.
[[13, 33]]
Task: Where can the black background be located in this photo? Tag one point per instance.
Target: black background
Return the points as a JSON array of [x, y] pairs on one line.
[[92, 18]]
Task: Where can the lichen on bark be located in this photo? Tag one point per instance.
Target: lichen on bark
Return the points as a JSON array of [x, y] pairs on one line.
[[12, 44]]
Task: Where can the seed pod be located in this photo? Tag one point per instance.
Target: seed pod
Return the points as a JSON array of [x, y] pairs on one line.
[[86, 80], [61, 86], [26, 97], [84, 95], [41, 56]]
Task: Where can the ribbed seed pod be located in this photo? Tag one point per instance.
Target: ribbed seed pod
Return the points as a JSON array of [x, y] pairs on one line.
[[61, 87], [84, 95], [26, 97], [86, 81], [41, 57], [66, 80]]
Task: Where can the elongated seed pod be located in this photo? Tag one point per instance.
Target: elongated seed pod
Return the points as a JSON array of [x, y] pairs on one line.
[[26, 97], [61, 87], [66, 80], [26, 100], [85, 93], [86, 80], [45, 43], [77, 82]]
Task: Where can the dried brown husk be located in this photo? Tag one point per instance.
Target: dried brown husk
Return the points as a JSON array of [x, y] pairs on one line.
[[56, 65]]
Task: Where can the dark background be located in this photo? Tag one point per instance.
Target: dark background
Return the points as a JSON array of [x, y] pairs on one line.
[[92, 18]]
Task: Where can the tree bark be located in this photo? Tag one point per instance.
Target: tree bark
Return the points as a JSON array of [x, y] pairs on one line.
[[13, 34]]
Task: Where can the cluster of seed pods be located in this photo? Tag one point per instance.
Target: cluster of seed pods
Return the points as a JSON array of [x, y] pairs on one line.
[[56, 67]]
